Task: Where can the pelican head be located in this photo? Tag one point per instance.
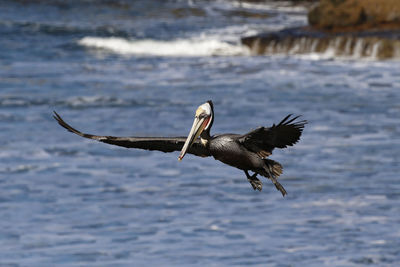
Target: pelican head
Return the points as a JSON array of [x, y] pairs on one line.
[[202, 123]]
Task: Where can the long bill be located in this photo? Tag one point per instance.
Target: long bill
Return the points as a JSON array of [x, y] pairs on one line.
[[198, 126]]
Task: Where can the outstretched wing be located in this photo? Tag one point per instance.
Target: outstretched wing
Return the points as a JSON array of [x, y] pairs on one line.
[[263, 140], [164, 144]]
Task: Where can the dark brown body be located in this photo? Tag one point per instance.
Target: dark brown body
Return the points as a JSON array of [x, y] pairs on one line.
[[227, 149]]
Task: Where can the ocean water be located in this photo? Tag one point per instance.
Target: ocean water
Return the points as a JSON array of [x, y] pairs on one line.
[[141, 68]]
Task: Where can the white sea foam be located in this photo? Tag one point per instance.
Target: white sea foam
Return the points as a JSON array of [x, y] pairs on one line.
[[178, 47], [271, 6]]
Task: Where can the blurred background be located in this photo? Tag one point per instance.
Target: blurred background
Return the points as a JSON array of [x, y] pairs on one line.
[[141, 68]]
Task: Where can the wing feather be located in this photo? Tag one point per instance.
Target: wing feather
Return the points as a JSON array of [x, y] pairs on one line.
[[164, 144], [263, 139]]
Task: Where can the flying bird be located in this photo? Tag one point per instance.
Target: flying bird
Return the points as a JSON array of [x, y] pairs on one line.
[[247, 152]]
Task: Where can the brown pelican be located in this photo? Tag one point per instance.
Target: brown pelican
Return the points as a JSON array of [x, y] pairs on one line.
[[246, 152]]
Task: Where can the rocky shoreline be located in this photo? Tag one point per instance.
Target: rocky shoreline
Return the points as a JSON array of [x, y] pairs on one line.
[[339, 28]]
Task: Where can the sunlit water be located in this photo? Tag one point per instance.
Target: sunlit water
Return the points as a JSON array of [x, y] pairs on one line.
[[66, 201]]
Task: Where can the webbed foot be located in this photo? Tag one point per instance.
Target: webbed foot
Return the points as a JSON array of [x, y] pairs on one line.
[[256, 184], [254, 181]]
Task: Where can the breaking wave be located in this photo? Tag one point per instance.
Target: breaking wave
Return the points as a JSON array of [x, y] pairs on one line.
[[178, 47]]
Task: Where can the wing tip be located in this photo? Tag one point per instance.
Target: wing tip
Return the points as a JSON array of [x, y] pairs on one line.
[[296, 132], [65, 125], [291, 121]]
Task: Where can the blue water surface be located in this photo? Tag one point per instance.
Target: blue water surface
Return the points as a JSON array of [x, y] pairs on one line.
[[68, 201]]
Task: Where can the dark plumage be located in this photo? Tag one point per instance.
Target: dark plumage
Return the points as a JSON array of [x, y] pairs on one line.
[[247, 152], [164, 144]]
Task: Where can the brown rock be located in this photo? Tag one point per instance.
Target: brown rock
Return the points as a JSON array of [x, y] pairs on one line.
[[305, 40], [355, 14]]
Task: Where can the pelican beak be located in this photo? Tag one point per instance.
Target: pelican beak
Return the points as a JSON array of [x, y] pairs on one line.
[[198, 126]]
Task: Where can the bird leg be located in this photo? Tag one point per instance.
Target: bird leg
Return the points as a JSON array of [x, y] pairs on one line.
[[254, 181]]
